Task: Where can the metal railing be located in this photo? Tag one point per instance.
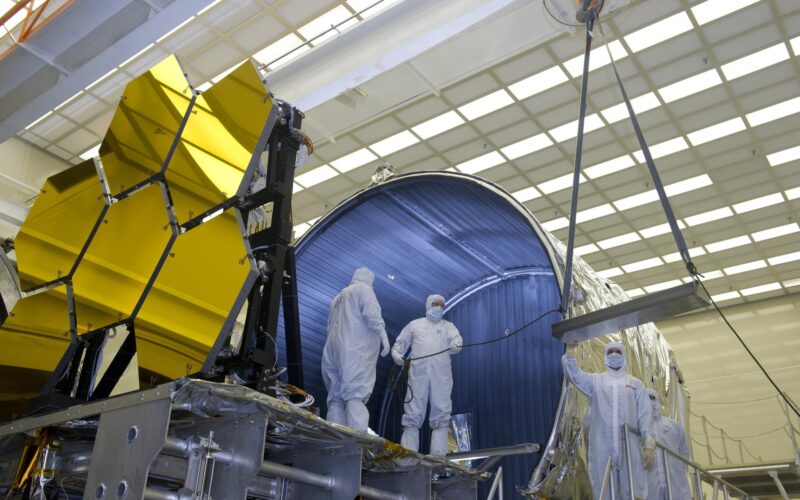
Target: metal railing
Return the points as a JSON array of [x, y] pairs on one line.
[[699, 474]]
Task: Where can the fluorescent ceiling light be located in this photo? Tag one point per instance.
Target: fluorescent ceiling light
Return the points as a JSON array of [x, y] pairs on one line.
[[526, 194], [279, 51], [769, 287], [663, 149], [658, 32], [594, 213], [482, 162], [587, 249], [559, 183], [570, 130], [710, 216], [620, 240], [640, 105], [662, 286], [437, 125], [791, 283], [634, 292], [598, 59], [537, 83], [776, 232], [717, 131], [610, 273], [371, 7], [687, 185], [754, 62], [756, 203], [526, 146], [774, 112], [609, 167], [90, 153], [676, 257], [636, 200], [784, 156], [300, 229], [722, 297], [743, 268], [642, 264], [353, 160], [714, 9], [689, 86], [719, 246], [556, 224], [659, 229], [325, 22], [486, 104], [793, 194], [394, 143], [313, 177], [783, 259]]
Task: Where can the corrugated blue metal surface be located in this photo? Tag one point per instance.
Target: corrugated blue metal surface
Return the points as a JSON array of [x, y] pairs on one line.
[[435, 234]]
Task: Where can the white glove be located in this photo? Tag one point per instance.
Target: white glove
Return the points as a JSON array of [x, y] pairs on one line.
[[649, 453], [397, 357], [455, 347], [384, 345]]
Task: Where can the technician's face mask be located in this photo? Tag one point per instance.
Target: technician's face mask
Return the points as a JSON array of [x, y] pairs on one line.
[[615, 360]]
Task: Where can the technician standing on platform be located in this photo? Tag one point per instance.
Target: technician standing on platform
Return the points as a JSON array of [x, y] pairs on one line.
[[429, 378], [356, 332], [616, 398]]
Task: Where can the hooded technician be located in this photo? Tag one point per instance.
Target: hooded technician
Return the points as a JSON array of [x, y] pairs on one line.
[[356, 332], [430, 378], [669, 434], [616, 398]]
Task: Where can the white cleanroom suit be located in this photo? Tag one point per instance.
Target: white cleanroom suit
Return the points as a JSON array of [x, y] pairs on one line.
[[429, 378], [670, 434], [356, 332], [616, 398]]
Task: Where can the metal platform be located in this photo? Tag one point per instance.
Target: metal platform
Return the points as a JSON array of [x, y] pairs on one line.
[[191, 439], [645, 309]]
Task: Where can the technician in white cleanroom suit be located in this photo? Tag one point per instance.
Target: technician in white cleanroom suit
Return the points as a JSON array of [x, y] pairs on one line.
[[669, 434], [429, 379], [616, 398], [356, 332]]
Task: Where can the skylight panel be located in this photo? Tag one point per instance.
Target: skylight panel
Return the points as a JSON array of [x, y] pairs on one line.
[[486, 104], [394, 143], [438, 124], [353, 160], [314, 177], [756, 203], [642, 265], [776, 232], [755, 290], [785, 156], [710, 216], [570, 130], [609, 167], [714, 9], [538, 83], [526, 146], [754, 62], [640, 104], [774, 112], [559, 183], [728, 244], [598, 59], [527, 194], [480, 163], [743, 268], [717, 131], [620, 240], [661, 31], [689, 86]]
